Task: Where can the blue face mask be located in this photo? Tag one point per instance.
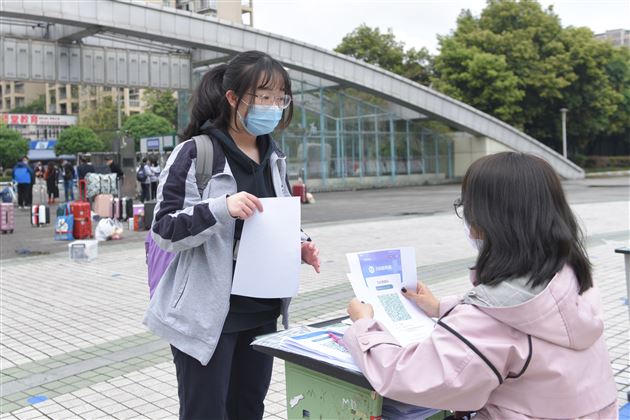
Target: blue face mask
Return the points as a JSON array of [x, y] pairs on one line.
[[261, 119]]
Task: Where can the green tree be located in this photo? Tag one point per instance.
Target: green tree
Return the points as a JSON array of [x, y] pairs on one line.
[[382, 49], [146, 124], [102, 119], [78, 139], [12, 146], [516, 62], [38, 106], [162, 103]]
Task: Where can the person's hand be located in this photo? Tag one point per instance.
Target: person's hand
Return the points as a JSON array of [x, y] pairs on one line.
[[358, 310], [424, 299], [310, 255], [243, 204]]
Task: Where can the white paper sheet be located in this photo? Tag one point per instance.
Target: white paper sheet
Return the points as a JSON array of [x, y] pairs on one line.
[[377, 277], [269, 255]]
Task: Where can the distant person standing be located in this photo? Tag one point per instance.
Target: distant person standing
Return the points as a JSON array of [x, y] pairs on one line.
[[155, 176], [84, 168], [68, 180], [144, 178], [114, 168], [52, 182], [24, 177]]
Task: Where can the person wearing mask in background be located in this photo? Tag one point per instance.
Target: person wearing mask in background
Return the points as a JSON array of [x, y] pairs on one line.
[[155, 177], [24, 176], [238, 105], [84, 168], [527, 340], [52, 182], [68, 180]]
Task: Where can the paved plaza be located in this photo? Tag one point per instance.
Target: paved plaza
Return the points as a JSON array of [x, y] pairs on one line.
[[72, 344]]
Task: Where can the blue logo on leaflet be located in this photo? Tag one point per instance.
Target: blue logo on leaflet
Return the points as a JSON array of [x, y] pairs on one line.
[[380, 263]]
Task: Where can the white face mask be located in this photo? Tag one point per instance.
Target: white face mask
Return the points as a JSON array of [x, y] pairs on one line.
[[475, 243]]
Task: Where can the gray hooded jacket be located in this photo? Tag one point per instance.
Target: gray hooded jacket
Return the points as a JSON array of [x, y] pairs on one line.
[[191, 301]]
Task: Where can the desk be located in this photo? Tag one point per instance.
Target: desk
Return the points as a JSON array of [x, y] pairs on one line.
[[626, 255], [318, 390]]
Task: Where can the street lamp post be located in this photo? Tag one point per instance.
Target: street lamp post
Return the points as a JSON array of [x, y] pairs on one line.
[[564, 131]]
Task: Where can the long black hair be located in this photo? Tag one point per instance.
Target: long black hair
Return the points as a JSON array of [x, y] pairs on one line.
[[244, 73], [515, 202]]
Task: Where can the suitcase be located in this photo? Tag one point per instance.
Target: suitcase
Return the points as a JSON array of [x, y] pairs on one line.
[[7, 217], [44, 215], [35, 215], [103, 205], [82, 229], [149, 207], [123, 208], [299, 190], [117, 208]]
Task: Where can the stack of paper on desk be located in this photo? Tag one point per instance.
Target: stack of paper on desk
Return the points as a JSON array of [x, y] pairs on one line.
[[316, 343], [324, 345], [377, 278]]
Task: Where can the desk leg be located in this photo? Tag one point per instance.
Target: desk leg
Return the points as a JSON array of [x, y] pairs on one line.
[[626, 258], [313, 395]]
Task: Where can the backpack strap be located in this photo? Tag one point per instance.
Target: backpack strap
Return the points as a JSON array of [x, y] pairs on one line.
[[205, 161]]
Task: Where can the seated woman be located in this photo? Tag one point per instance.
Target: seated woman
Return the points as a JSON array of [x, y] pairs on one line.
[[526, 340]]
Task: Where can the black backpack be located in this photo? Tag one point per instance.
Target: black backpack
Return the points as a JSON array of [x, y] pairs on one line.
[[141, 175], [68, 172]]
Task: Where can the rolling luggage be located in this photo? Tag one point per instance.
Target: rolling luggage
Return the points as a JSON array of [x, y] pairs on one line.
[[149, 207], [82, 228], [103, 205], [7, 217], [123, 208], [40, 215]]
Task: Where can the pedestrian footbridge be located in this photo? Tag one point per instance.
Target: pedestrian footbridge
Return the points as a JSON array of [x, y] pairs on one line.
[[124, 43]]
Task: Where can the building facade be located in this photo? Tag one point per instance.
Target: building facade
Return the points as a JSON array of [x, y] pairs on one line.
[[18, 94], [617, 37]]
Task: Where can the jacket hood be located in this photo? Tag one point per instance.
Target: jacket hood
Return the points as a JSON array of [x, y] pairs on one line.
[[237, 156], [557, 313]]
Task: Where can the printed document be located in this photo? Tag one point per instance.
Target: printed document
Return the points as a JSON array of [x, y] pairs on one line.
[[377, 278], [269, 254]]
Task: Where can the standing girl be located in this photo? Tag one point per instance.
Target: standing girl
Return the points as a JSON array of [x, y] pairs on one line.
[[52, 182], [237, 105], [526, 341]]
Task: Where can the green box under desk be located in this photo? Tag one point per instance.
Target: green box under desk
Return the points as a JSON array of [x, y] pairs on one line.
[[313, 395]]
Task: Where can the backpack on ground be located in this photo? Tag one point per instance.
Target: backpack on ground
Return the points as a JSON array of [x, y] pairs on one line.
[[158, 259]]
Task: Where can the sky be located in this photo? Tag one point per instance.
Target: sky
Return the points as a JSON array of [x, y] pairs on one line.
[[415, 22]]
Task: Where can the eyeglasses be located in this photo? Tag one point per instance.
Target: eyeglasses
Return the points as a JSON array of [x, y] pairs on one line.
[[281, 102], [458, 206]]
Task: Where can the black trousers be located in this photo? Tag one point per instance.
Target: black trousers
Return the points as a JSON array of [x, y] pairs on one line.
[[234, 383], [146, 192], [25, 194]]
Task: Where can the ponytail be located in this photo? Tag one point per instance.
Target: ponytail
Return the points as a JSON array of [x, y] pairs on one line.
[[209, 102]]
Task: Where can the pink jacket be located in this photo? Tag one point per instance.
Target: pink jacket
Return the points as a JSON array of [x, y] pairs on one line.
[[565, 373]]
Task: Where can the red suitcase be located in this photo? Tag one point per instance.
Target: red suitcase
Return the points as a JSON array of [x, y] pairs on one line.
[[82, 229], [82, 216], [299, 190], [7, 217]]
